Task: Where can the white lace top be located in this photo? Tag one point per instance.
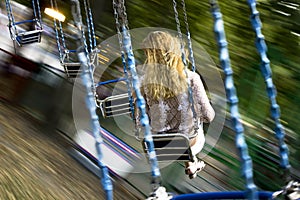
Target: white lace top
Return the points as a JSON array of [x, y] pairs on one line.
[[175, 114]]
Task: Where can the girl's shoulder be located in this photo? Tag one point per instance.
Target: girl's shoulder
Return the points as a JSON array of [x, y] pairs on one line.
[[193, 76]]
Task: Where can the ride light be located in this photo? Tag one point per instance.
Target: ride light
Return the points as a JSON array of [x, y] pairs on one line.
[[55, 14]]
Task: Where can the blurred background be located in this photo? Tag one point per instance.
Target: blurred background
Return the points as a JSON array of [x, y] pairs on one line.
[[37, 79]]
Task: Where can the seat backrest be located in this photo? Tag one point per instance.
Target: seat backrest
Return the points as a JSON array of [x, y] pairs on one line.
[[115, 105], [29, 37], [71, 64], [171, 146], [72, 69]]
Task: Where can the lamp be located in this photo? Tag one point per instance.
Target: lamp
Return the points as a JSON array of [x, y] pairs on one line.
[[55, 14]]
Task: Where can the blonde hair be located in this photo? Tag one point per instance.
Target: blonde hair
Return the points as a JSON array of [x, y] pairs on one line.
[[164, 69]]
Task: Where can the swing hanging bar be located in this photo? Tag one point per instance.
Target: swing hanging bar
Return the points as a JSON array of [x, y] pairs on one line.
[[87, 78], [90, 25], [292, 188], [140, 101], [93, 50], [78, 23], [270, 87], [246, 161], [188, 34], [129, 64]]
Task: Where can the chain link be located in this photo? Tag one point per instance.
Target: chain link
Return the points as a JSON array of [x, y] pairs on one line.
[[246, 161], [11, 19], [128, 78], [88, 81], [129, 64], [57, 34], [88, 24], [271, 89], [188, 33]]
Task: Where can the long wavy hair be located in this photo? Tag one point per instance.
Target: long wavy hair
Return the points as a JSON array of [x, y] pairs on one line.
[[164, 70]]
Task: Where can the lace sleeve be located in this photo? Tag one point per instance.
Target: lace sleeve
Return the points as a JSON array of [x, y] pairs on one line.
[[203, 106]]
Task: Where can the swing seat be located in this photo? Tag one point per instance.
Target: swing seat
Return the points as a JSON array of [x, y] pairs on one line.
[[115, 105], [29, 37], [72, 68], [170, 147]]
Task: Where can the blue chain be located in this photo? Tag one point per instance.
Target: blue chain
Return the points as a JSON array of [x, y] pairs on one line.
[[142, 108], [88, 24], [34, 9], [10, 15], [246, 161], [60, 29], [128, 82], [271, 89], [94, 43], [56, 34], [39, 13], [57, 41], [62, 35], [87, 78], [9, 11]]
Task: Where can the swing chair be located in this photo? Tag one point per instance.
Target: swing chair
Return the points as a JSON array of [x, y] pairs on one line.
[[18, 33], [176, 146], [68, 57], [120, 104], [115, 105], [132, 81], [154, 144]]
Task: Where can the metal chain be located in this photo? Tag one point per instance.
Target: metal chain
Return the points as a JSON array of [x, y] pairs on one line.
[[123, 56], [270, 87], [34, 9], [232, 99], [92, 25], [96, 127], [127, 53], [57, 35], [39, 13], [188, 33], [88, 24], [190, 90], [10, 17], [78, 22], [87, 78], [60, 28], [140, 101]]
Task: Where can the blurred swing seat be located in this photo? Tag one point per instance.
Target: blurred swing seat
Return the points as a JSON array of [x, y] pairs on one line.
[[115, 105], [72, 68], [29, 37], [26, 37], [170, 147]]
